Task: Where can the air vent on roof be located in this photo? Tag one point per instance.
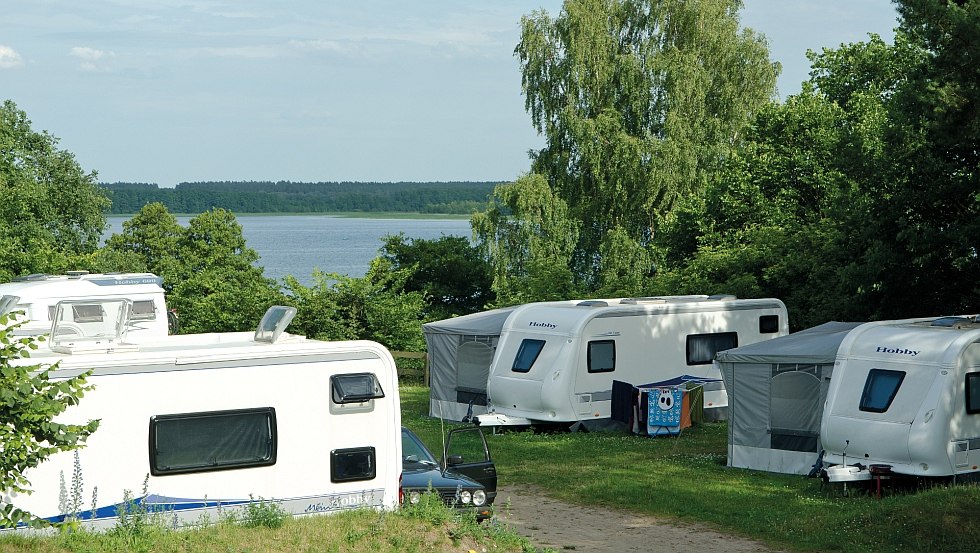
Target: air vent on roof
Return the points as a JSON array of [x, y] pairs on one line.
[[76, 274], [592, 303], [643, 300], [949, 321], [30, 278], [722, 297]]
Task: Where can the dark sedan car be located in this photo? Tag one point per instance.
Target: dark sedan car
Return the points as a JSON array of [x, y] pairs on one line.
[[465, 477]]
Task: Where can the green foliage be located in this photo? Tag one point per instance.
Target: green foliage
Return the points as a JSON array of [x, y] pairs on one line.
[[529, 237], [263, 513], [207, 267], [29, 403], [449, 271], [640, 102], [51, 210], [375, 307]]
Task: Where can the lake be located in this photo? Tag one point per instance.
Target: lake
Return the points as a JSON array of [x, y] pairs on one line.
[[296, 244]]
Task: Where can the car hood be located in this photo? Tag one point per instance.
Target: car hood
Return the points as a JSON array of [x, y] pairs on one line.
[[421, 476]]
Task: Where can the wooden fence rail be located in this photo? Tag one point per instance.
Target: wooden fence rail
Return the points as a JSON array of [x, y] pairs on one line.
[[413, 355]]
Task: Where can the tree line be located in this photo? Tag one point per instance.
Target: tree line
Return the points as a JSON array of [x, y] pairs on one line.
[[303, 197]]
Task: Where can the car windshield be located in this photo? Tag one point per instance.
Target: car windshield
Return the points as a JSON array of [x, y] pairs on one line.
[[414, 451]]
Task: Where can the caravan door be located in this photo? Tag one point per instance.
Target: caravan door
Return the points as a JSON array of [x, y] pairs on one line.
[[593, 379]]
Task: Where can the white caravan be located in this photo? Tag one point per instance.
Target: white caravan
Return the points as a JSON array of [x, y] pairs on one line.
[[214, 421], [905, 394], [556, 361], [36, 295]]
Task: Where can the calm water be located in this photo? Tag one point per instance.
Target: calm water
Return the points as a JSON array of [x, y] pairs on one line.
[[296, 244]]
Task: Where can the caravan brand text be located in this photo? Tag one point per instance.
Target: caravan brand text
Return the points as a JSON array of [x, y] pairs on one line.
[[534, 324], [900, 351]]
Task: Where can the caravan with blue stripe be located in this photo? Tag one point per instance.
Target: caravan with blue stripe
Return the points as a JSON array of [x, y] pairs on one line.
[[204, 423]]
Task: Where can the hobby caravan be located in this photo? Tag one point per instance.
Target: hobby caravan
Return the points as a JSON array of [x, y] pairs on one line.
[[555, 361], [205, 422], [905, 396], [36, 295]]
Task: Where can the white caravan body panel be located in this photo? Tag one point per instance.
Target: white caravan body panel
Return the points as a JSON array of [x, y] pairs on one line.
[[555, 362], [314, 437]]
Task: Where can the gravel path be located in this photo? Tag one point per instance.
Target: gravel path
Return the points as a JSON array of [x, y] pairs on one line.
[[564, 527]]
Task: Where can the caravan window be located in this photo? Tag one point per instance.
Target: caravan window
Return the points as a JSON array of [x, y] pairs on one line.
[[87, 313], [216, 440], [880, 390], [527, 354], [349, 465], [973, 393], [602, 356], [143, 310], [701, 348], [355, 388], [768, 324]]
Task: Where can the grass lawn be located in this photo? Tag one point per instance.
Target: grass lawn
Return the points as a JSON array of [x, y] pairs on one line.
[[686, 478]]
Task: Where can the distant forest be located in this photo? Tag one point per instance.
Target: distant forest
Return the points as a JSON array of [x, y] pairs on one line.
[[304, 197]]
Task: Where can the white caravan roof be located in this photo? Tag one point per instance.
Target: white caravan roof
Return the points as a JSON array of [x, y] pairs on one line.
[[569, 318]]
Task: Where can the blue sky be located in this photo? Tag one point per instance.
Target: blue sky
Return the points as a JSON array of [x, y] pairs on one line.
[[169, 91]]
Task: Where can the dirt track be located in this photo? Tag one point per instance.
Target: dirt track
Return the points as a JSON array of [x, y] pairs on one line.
[[564, 527]]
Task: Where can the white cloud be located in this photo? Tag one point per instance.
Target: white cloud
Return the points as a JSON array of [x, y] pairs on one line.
[[9, 58], [90, 58], [89, 54]]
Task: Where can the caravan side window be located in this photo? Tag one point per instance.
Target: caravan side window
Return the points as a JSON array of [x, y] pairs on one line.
[[880, 389], [143, 310], [701, 348], [527, 354], [973, 393], [602, 356], [215, 440], [355, 388], [352, 464]]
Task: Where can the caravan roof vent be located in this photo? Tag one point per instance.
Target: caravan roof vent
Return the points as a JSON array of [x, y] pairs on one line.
[[90, 326], [273, 323], [722, 297], [949, 321], [30, 278], [76, 274], [643, 300], [592, 303]]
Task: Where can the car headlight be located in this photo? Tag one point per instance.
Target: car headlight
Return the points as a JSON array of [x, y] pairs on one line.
[[464, 497], [414, 497], [479, 497]]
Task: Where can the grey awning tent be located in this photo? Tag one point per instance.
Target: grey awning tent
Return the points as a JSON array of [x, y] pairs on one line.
[[776, 392], [460, 352]]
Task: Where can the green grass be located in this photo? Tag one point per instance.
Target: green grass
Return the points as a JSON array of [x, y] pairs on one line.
[[686, 478]]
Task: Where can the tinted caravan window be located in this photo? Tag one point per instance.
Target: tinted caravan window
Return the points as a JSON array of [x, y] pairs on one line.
[[602, 356], [768, 324], [973, 393], [355, 388], [143, 310], [701, 348], [349, 465], [527, 354], [216, 440], [880, 389]]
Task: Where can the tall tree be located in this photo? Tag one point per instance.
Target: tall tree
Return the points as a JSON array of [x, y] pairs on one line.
[[640, 103], [529, 238], [51, 209], [929, 202]]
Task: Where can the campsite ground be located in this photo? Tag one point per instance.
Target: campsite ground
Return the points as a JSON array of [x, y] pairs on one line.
[[560, 526]]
